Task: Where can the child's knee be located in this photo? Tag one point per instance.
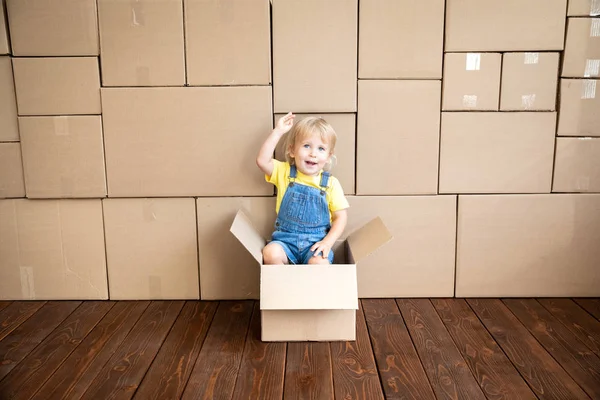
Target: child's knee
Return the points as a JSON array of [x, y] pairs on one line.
[[274, 254], [315, 260]]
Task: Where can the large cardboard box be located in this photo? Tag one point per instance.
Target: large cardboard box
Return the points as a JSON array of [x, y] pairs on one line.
[[497, 152], [9, 128], [583, 8], [508, 25], [398, 155], [141, 43], [63, 156], [52, 250], [57, 86], [577, 165], [53, 27], [151, 248], [11, 171], [4, 42], [579, 105], [400, 39], [315, 55], [310, 302], [529, 81], [528, 246], [582, 48], [228, 43], [471, 81], [186, 141]]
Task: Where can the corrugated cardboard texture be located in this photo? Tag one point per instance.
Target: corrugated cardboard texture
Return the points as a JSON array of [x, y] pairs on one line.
[[57, 86], [52, 250], [9, 130], [227, 270], [509, 25], [528, 245], [151, 248], [582, 48], [582, 8], [308, 325], [228, 42], [315, 55], [471, 81], [401, 39], [529, 81], [579, 105], [497, 152], [345, 149], [186, 141], [419, 262], [11, 171], [577, 165], [4, 42], [141, 42], [53, 27], [63, 156], [398, 155]]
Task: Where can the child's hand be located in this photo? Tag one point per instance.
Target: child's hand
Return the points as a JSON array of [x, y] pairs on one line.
[[285, 123], [322, 247]]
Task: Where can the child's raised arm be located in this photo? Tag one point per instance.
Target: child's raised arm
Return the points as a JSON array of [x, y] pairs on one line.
[[264, 160]]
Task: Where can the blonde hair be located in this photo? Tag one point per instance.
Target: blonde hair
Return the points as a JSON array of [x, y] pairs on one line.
[[307, 127]]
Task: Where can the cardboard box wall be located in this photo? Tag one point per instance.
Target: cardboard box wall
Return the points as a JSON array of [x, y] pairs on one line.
[[4, 42], [11, 171], [582, 48], [9, 129], [579, 105], [577, 165], [583, 8], [528, 246], [52, 250]]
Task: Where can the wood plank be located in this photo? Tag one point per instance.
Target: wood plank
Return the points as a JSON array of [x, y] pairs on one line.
[[4, 304], [543, 374], [579, 361], [308, 371], [218, 363], [31, 373], [354, 370], [172, 367], [402, 373], [496, 375], [592, 306], [448, 372], [577, 320], [76, 374], [263, 365], [15, 314], [121, 376], [20, 342]]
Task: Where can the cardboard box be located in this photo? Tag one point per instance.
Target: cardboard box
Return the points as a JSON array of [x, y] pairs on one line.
[[529, 81], [52, 250], [400, 39], [53, 27], [420, 262], [4, 42], [509, 25], [577, 165], [582, 48], [583, 8], [63, 156], [579, 105], [345, 149], [315, 55], [471, 81], [57, 86], [151, 248], [11, 171], [528, 246], [141, 43], [306, 302], [393, 157], [9, 128], [186, 141], [228, 43], [497, 152]]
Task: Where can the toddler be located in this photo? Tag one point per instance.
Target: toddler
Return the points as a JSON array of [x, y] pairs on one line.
[[311, 206]]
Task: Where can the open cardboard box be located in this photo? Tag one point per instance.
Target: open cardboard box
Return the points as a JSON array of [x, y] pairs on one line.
[[310, 302]]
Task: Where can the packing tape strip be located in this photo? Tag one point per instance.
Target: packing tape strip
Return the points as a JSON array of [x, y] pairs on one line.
[[531, 58], [137, 13], [588, 89], [27, 283], [148, 211], [592, 68], [155, 287], [61, 126], [595, 27], [595, 8], [528, 101], [473, 62], [469, 100]]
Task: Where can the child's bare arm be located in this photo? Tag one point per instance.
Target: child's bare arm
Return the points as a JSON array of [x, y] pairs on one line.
[[338, 224], [264, 160]]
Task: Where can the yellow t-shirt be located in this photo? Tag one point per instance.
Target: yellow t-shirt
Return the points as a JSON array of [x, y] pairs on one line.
[[280, 178]]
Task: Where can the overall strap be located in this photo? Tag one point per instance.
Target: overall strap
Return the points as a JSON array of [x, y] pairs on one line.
[[293, 174], [324, 179]]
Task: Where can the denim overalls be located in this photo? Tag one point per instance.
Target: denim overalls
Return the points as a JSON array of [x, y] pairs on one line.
[[303, 219]]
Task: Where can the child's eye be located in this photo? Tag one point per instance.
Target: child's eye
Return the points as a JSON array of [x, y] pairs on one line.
[[306, 146], [321, 148]]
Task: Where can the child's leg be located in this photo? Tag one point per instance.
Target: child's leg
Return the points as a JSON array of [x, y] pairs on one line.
[[274, 254], [318, 260]]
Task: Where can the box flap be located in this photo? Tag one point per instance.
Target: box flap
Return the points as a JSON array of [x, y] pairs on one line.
[[244, 231], [308, 287], [367, 239]]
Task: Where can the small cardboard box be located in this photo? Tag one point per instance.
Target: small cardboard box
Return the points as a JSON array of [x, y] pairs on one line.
[[306, 302]]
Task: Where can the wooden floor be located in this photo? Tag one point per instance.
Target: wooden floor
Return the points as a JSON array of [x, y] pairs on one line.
[[405, 349]]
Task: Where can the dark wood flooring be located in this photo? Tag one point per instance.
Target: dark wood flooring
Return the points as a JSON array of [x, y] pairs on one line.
[[405, 349]]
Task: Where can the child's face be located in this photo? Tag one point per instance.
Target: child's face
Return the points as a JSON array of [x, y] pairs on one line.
[[310, 154]]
